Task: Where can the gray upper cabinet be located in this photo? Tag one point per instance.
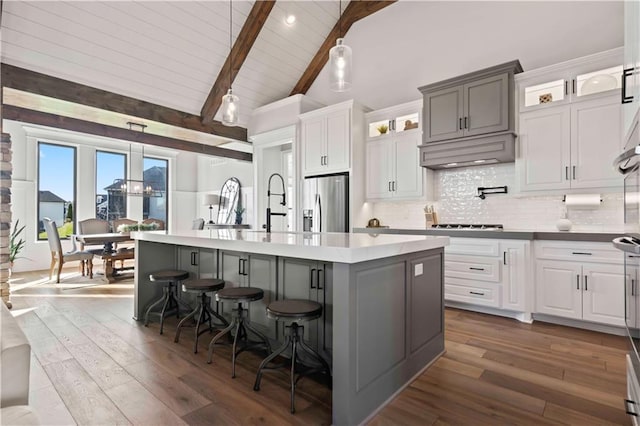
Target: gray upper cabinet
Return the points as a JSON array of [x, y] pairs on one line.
[[475, 108], [486, 105], [470, 119], [443, 111]]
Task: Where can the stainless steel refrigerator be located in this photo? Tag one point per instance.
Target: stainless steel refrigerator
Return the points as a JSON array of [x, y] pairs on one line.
[[325, 203]]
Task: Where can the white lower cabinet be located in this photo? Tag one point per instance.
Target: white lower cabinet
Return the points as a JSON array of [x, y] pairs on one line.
[[571, 287], [487, 272]]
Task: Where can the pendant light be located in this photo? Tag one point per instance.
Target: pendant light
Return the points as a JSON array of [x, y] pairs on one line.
[[230, 102], [340, 62]]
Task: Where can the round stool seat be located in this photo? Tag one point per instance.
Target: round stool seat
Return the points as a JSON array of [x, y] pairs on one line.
[[240, 294], [203, 284], [169, 275], [294, 309]]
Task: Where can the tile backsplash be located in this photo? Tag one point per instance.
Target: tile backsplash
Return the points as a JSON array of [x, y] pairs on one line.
[[455, 201]]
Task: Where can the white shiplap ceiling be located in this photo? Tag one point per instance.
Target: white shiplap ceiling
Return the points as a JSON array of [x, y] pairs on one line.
[[170, 52], [164, 52]]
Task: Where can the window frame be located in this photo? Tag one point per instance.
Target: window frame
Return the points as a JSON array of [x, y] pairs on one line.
[[75, 185], [127, 162], [167, 181]]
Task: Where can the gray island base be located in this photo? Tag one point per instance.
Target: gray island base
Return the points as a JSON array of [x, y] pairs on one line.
[[383, 320]]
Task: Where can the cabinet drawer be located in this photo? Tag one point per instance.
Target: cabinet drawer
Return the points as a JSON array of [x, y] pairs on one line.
[[472, 267], [578, 251], [467, 292], [473, 247]]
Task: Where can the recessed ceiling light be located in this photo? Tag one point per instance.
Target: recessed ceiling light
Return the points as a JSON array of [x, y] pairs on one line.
[[290, 19], [479, 161]]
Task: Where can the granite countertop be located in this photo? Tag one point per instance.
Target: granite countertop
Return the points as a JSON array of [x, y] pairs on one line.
[[507, 234], [327, 246]]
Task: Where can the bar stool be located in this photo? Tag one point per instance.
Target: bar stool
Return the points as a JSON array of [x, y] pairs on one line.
[[203, 310], [238, 322], [294, 310], [168, 300]]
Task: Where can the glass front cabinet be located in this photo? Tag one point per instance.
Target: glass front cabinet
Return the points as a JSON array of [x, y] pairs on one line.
[[595, 75]]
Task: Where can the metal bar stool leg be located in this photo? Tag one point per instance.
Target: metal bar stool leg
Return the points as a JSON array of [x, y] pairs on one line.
[[233, 350], [153, 305], [217, 337], [293, 380], [167, 302], [267, 360], [181, 323]]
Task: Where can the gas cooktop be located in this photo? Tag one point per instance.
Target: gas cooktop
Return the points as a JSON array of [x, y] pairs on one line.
[[468, 227]]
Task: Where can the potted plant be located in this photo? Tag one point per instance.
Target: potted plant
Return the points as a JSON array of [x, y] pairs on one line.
[[16, 244], [238, 213]]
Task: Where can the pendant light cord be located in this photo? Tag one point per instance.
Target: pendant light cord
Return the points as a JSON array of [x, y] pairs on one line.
[[230, 42], [340, 17]]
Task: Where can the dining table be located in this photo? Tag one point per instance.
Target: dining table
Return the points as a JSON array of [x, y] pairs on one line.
[[108, 255]]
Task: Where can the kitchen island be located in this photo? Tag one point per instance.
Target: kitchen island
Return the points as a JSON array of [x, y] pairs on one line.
[[381, 295]]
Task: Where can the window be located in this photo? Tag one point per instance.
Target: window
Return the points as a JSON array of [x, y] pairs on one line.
[[111, 203], [155, 175], [56, 188]]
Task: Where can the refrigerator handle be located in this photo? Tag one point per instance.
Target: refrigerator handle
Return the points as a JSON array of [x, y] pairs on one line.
[[319, 204]]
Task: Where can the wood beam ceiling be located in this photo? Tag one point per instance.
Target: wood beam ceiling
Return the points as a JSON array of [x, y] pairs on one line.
[[355, 11], [241, 48], [45, 85], [25, 115]]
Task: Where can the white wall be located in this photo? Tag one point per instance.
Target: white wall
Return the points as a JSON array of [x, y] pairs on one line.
[[182, 175], [456, 202], [212, 172]]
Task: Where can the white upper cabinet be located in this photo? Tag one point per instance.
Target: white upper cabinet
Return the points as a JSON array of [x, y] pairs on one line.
[[588, 77], [569, 129], [392, 156], [326, 140], [630, 76], [571, 146]]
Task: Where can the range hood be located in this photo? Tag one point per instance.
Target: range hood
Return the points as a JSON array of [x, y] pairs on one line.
[[469, 120], [497, 148]]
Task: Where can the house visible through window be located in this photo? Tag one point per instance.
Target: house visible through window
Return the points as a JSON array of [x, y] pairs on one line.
[[111, 202], [155, 175], [56, 188]]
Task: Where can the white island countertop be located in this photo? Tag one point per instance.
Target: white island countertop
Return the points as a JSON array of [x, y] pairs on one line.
[[328, 246]]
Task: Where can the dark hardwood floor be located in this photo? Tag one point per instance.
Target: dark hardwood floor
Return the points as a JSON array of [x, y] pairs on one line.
[[92, 364]]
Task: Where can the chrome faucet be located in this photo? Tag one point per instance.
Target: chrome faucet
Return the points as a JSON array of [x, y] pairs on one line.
[[269, 194]]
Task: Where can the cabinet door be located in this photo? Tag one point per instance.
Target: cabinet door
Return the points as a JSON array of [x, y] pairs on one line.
[[559, 288], [603, 296], [515, 273], [406, 165], [325, 322], [443, 114], [207, 263], [486, 105], [262, 274], [545, 141], [297, 280], [379, 169], [314, 139], [631, 60], [338, 141], [230, 271], [188, 260], [595, 142]]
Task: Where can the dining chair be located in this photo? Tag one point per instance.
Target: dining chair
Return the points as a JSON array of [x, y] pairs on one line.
[[198, 224], [59, 257], [158, 221], [93, 226]]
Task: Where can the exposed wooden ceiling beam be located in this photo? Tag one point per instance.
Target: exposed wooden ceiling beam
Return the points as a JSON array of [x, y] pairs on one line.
[[241, 48], [11, 112], [355, 11], [46, 85]]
